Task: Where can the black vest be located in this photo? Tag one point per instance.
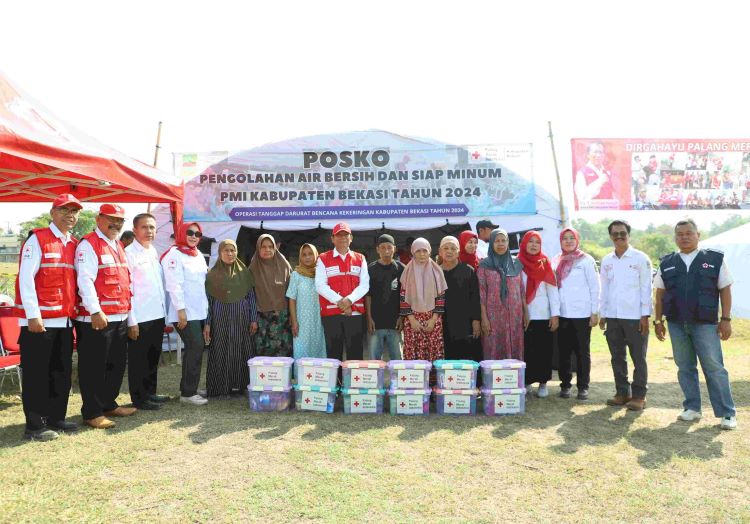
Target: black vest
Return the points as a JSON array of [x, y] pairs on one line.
[[692, 296]]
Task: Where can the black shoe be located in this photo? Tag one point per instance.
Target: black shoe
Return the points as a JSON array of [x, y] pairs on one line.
[[147, 405], [159, 399], [42, 435], [564, 392], [64, 426], [583, 394]]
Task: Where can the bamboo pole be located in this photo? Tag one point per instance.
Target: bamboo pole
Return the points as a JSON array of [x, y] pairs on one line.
[[156, 157], [563, 218]]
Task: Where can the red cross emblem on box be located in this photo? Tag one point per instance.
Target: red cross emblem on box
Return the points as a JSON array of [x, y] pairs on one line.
[[262, 375], [356, 403]]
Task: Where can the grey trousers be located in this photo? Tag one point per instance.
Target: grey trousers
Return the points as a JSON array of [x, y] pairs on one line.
[[621, 333], [192, 357]]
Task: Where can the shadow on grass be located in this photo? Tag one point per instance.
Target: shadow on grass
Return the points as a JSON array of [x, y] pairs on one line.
[[682, 442]]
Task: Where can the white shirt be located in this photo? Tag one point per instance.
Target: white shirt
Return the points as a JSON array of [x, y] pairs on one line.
[[31, 258], [626, 285], [325, 291], [146, 274], [725, 277], [579, 292], [185, 281], [546, 302], [482, 248], [87, 266]]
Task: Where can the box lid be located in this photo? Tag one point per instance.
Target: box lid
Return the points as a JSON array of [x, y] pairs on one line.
[[510, 363], [321, 389], [283, 389], [455, 364], [399, 391], [368, 364], [507, 391], [409, 364], [320, 362], [356, 391], [270, 361], [439, 391]]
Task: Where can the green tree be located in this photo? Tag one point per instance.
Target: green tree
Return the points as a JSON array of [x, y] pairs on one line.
[[86, 224]]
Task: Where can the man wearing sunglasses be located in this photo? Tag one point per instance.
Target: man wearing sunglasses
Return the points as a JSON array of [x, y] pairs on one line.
[[625, 306], [105, 294], [45, 305]]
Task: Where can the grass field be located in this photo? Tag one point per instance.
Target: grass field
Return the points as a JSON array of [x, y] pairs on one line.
[[564, 461]]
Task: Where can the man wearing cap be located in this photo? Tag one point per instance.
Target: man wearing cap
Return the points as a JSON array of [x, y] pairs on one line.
[[104, 290], [342, 281], [46, 305], [382, 301], [484, 228]]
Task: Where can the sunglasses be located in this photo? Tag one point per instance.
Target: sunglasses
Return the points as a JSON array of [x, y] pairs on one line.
[[191, 233], [619, 234]]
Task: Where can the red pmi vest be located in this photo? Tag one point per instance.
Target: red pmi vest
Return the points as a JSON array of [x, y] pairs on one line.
[[55, 282], [343, 278], [112, 280]]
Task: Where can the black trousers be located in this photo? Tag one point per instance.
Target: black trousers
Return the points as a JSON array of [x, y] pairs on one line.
[[46, 359], [574, 337], [101, 366], [537, 346], [192, 356], [344, 331], [143, 360]]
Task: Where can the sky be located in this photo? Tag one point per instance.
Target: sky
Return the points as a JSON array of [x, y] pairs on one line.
[[231, 75]]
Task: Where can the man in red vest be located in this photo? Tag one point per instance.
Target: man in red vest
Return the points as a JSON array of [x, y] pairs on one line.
[[342, 281], [46, 305], [104, 290]]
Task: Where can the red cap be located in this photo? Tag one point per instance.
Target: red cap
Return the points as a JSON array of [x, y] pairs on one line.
[[341, 226], [112, 210], [66, 199]]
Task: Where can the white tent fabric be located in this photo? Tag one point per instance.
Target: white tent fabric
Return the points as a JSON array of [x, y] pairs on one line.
[[735, 244]]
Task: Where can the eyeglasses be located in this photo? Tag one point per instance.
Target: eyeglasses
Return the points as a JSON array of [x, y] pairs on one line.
[[191, 233], [619, 234], [69, 211]]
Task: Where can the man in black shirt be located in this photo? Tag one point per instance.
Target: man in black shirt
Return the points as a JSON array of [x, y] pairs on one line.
[[382, 301]]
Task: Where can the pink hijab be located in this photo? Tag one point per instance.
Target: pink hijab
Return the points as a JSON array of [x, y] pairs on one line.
[[422, 283], [565, 260]]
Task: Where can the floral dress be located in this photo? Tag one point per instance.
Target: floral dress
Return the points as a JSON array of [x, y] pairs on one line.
[[506, 319]]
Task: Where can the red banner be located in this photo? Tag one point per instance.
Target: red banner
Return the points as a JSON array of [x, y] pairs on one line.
[[647, 174]]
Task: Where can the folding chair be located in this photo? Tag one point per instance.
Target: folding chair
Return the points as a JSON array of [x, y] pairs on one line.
[[10, 351]]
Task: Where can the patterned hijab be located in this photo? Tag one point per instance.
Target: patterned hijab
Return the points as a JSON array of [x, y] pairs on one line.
[[565, 260], [506, 264], [538, 268], [229, 283], [271, 277], [422, 283]]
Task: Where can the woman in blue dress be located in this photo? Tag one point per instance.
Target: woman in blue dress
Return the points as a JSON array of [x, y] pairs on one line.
[[304, 307]]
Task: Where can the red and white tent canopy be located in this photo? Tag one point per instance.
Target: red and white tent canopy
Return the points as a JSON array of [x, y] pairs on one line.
[[41, 156]]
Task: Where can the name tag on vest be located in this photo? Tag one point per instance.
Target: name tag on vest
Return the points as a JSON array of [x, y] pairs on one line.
[[108, 259], [52, 255], [355, 270], [668, 269]]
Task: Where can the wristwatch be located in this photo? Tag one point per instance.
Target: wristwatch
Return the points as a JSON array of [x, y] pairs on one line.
[[658, 322], [728, 319]]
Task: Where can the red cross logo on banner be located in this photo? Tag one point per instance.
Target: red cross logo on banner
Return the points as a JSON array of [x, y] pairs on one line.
[[356, 403], [475, 155]]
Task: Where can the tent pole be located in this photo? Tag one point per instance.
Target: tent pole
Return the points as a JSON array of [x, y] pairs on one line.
[[156, 157], [563, 218]]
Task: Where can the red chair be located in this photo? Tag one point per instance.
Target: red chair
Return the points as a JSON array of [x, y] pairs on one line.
[[10, 351]]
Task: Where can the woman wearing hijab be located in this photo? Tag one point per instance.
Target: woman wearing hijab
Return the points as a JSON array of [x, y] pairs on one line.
[[272, 273], [503, 301], [304, 307], [543, 303], [231, 322], [185, 280], [422, 303], [462, 317], [468, 241], [579, 311]]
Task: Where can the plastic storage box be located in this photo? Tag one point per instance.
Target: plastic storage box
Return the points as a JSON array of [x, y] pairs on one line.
[[410, 374], [409, 401], [504, 401], [363, 401], [456, 401], [271, 371], [320, 372], [503, 374], [269, 398], [315, 398], [363, 374], [456, 374]]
